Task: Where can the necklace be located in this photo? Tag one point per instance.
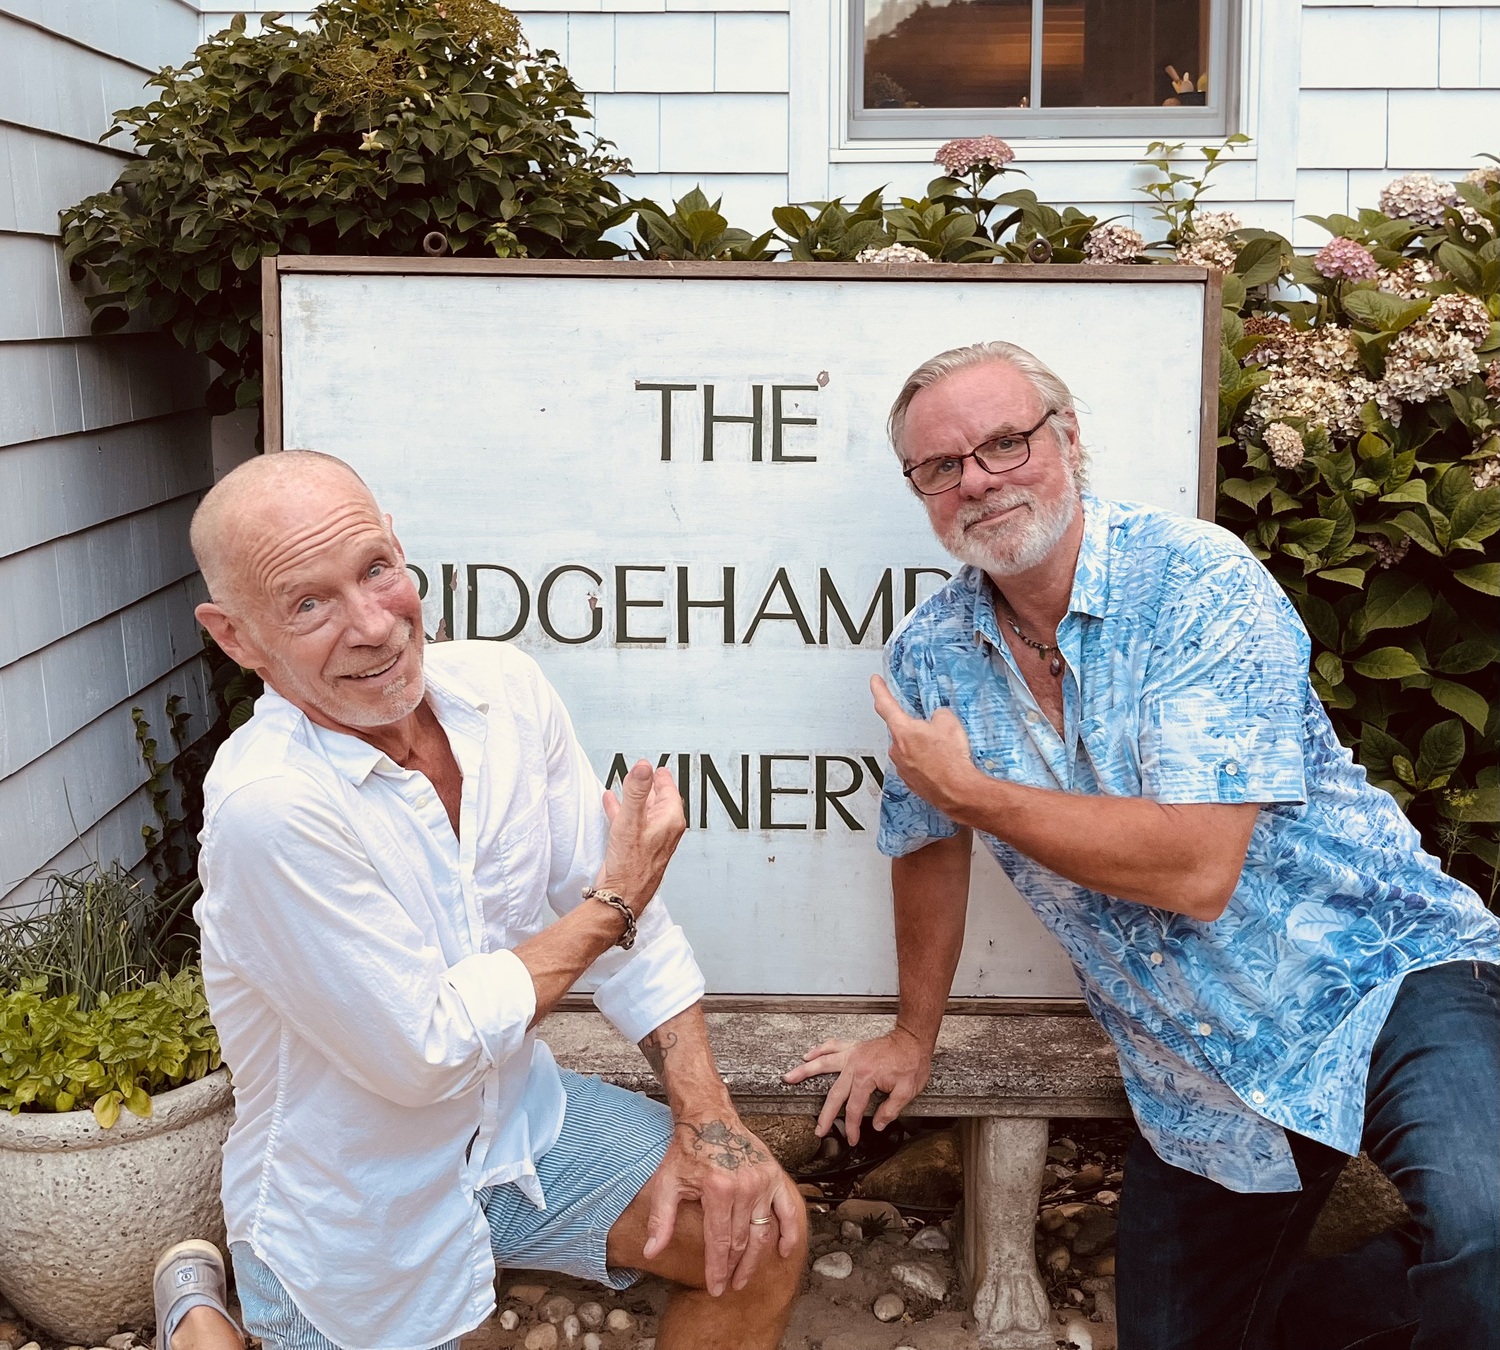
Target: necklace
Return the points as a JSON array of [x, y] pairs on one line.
[[1040, 648]]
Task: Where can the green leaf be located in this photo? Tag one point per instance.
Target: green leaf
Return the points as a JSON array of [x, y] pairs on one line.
[[1396, 600], [1441, 752], [1382, 312], [1484, 577], [1345, 576], [1321, 620], [1259, 261], [1459, 264], [1477, 516], [1387, 663], [1460, 699], [1464, 658], [1413, 490], [1330, 668], [1250, 493], [1378, 749]]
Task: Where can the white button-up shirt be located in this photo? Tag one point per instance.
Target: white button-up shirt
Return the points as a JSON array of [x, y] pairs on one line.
[[358, 966]]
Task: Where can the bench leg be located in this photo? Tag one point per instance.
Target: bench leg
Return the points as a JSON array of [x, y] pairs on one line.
[[1003, 1162]]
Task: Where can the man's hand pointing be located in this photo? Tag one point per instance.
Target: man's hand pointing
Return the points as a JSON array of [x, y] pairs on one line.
[[932, 757]]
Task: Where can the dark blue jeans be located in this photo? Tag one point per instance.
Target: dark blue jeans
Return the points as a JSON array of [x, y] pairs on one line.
[[1203, 1268]]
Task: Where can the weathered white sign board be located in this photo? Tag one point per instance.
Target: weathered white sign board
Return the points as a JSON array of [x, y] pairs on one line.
[[672, 486]]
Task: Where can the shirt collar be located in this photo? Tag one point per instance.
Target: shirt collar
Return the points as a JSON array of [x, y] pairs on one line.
[[458, 707], [1090, 576]]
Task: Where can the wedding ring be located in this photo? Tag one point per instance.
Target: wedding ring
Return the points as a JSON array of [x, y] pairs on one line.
[[758, 1222]]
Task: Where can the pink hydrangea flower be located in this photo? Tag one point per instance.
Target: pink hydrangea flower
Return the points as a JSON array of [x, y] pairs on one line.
[[972, 152], [1345, 260]]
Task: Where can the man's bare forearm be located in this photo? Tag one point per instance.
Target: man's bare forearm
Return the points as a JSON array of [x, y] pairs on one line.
[[1183, 858], [558, 955], [930, 890]]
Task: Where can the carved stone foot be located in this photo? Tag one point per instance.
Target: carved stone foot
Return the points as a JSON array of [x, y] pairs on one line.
[[1003, 1162]]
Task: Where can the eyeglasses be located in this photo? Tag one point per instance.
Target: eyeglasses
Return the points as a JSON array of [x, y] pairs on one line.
[[999, 454]]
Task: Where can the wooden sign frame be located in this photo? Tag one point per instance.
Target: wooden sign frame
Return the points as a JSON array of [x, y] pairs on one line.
[[275, 268]]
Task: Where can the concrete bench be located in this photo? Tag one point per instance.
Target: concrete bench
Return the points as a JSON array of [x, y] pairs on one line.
[[1003, 1075]]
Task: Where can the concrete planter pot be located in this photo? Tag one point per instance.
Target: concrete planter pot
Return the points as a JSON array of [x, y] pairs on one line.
[[87, 1211]]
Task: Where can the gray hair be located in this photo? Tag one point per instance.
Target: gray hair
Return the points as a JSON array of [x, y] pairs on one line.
[[1048, 384]]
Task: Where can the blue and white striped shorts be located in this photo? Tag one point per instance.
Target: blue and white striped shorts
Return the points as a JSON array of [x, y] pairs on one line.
[[611, 1144]]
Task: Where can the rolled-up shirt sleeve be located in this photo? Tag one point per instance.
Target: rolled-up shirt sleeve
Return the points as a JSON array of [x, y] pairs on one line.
[[286, 882], [1225, 690], [658, 977]]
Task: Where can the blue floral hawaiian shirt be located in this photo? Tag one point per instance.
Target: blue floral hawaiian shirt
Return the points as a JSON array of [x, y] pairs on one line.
[[1187, 681]]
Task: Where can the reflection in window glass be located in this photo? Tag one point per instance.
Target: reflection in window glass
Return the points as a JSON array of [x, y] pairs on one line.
[[977, 53], [1124, 53], [947, 53]]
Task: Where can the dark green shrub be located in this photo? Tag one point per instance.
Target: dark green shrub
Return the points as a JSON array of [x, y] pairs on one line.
[[385, 124]]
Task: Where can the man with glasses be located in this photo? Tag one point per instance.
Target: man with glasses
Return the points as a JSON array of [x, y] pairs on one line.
[[1117, 700]]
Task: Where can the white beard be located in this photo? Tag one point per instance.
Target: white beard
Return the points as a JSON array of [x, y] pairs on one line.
[[1018, 544]]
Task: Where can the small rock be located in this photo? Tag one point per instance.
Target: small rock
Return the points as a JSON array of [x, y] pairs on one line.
[[1069, 1230], [1059, 1259], [836, 1265], [830, 1148], [921, 1278], [1105, 1265], [808, 1191], [543, 1337], [851, 1232], [1091, 1175], [1051, 1220], [5, 1345], [646, 1343], [572, 1328], [930, 1240], [529, 1294], [556, 1309], [592, 1340], [1071, 1210], [31, 1345], [1107, 1198], [123, 1341], [510, 1319], [591, 1315], [863, 1211], [80, 1347], [1076, 1295], [1096, 1231], [888, 1307], [1104, 1297], [1062, 1150], [619, 1320], [1075, 1331]]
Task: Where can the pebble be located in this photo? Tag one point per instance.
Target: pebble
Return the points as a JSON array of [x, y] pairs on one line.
[[123, 1341], [1052, 1220], [1091, 1175], [592, 1340], [930, 1240], [1096, 1231], [572, 1328], [31, 1345], [836, 1265], [530, 1294], [1076, 1295], [1107, 1198], [543, 1337], [888, 1307], [591, 1315], [5, 1345], [851, 1232], [1105, 1265], [510, 1319], [556, 1309], [1059, 1259], [809, 1190], [1104, 1298], [619, 1320], [921, 1278], [1075, 1330]]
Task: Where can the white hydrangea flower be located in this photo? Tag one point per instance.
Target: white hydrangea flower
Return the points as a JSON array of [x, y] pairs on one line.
[[1113, 244], [893, 253], [1285, 445]]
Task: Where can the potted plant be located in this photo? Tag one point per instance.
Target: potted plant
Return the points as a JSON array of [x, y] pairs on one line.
[[114, 1102]]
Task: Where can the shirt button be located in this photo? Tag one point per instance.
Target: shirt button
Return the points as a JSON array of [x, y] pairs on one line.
[[1157, 958], [1258, 1098], [1231, 768], [1204, 1029]]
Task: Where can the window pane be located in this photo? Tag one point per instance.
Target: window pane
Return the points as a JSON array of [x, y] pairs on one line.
[[947, 53], [1121, 53]]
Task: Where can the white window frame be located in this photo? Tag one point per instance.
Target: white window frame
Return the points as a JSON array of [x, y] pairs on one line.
[[1217, 118]]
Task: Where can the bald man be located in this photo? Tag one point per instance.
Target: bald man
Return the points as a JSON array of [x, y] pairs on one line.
[[382, 842]]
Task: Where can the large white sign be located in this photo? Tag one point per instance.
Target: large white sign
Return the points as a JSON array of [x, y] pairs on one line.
[[676, 492]]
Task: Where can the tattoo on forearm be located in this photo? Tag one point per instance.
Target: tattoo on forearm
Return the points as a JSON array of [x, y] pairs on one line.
[[723, 1146], [656, 1047]]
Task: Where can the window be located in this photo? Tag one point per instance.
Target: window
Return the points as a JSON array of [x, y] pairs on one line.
[[940, 68]]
